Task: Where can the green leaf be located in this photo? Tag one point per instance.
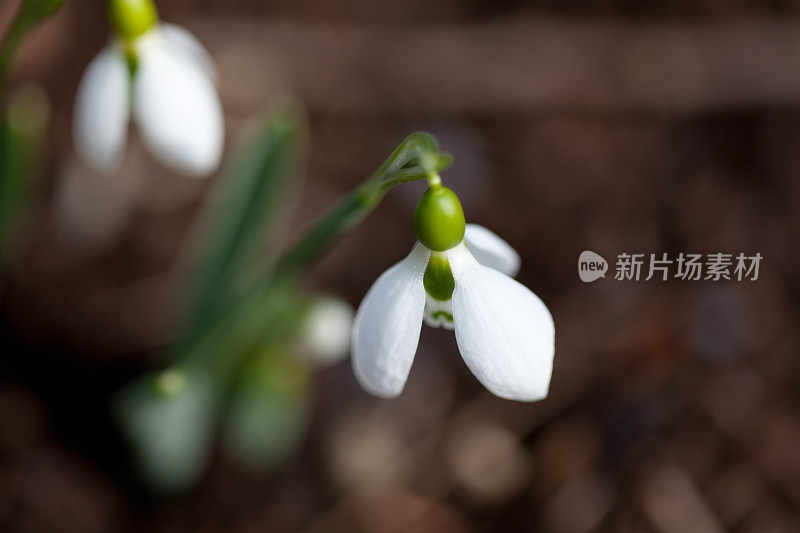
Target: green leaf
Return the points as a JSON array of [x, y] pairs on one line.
[[252, 322], [23, 129], [168, 418], [242, 216], [29, 14]]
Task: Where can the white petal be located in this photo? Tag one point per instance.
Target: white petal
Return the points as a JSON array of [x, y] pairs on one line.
[[504, 331], [490, 250], [387, 326], [438, 314], [181, 39], [102, 107], [177, 109]]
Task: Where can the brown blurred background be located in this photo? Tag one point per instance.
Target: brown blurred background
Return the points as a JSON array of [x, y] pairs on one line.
[[614, 126]]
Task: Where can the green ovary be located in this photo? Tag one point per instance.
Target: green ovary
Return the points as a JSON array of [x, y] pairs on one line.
[[439, 219], [131, 18]]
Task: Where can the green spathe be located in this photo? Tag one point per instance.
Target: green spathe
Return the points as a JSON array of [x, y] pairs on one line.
[[131, 18], [439, 219]]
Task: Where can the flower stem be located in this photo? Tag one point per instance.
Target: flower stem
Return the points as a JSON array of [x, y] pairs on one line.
[[434, 180], [258, 313]]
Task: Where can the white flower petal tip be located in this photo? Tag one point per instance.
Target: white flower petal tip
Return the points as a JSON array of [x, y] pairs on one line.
[[387, 326], [504, 331], [177, 109], [102, 108], [490, 250], [327, 330], [182, 40]]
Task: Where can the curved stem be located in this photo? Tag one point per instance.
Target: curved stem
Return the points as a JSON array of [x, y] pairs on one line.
[[254, 314]]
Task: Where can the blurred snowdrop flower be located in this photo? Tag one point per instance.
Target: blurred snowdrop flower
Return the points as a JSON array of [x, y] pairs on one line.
[[168, 418], [326, 331], [457, 276], [163, 78]]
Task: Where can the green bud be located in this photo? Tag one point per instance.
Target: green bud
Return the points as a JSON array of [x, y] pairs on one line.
[[131, 18], [439, 219], [170, 382], [438, 279]]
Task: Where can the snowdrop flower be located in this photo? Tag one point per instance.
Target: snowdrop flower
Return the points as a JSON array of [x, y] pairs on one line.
[[457, 276], [163, 78]]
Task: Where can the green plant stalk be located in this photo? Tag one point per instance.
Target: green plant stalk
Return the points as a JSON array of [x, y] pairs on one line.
[[411, 161], [22, 134], [254, 191], [29, 14], [259, 314]]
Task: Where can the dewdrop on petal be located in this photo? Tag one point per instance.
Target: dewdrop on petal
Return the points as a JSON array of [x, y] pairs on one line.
[[159, 76], [456, 277]]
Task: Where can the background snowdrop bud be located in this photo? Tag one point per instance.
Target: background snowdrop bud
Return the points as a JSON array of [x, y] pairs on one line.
[[326, 334], [439, 219], [131, 18], [268, 411], [168, 418], [169, 382]]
